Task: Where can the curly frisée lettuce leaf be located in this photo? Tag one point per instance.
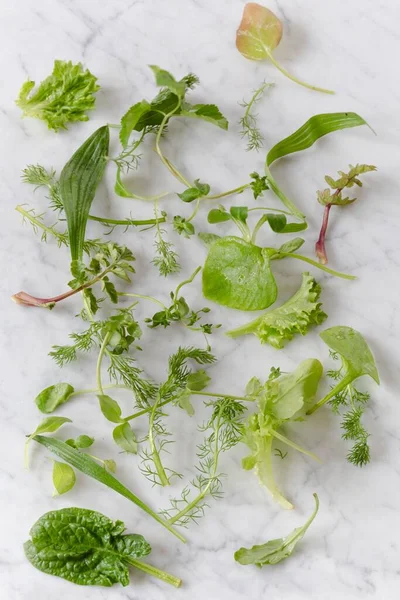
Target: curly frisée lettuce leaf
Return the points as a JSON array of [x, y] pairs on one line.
[[61, 98], [296, 316]]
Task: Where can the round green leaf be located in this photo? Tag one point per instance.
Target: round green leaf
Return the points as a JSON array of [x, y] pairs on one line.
[[125, 438], [238, 274], [63, 478]]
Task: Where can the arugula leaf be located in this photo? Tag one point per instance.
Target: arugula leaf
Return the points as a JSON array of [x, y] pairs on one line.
[[125, 438], [63, 478], [87, 548], [237, 274], [295, 316], [63, 97], [79, 180], [259, 33], [91, 468], [281, 401], [274, 551], [54, 395], [205, 112]]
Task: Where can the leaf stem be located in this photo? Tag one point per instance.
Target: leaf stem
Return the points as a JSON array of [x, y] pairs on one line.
[[102, 351], [154, 452], [347, 379], [95, 390], [293, 78], [278, 192], [185, 282], [319, 266], [289, 442], [127, 222], [154, 572], [237, 190], [171, 168], [320, 250], [143, 297]]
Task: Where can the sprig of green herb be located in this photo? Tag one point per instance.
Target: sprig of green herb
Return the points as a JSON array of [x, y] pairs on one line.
[[248, 121]]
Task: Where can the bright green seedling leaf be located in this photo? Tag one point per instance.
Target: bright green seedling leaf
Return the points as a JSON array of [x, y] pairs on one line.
[[303, 138], [296, 316], [88, 466], [62, 98], [240, 213], [183, 227], [87, 548], [110, 465], [237, 274], [282, 400], [82, 441], [199, 190], [165, 79], [218, 215], [51, 397], [79, 180], [130, 120], [198, 380], [48, 425], [292, 246], [329, 199], [120, 189], [259, 33], [63, 478], [125, 438], [274, 551], [110, 408], [205, 112], [357, 360]]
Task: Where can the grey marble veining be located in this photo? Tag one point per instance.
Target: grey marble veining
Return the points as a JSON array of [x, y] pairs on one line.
[[352, 549]]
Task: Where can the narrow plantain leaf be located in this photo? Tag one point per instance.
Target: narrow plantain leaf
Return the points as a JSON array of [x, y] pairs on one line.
[[79, 180], [92, 469]]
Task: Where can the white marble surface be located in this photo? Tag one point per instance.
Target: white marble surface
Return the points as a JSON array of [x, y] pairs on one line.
[[352, 550]]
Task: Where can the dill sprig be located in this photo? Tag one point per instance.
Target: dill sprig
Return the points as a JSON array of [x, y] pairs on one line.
[[248, 121], [352, 402], [225, 430], [166, 259]]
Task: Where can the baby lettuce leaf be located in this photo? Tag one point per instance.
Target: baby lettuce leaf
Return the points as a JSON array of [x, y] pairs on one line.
[[61, 98], [54, 395], [274, 551], [91, 468], [259, 33], [280, 401], [79, 180], [237, 274], [63, 478], [87, 548], [303, 138], [357, 359], [296, 316]]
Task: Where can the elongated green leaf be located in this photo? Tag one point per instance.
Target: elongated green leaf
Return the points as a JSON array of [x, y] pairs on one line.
[[110, 408], [276, 550], [79, 180], [92, 469], [48, 425], [311, 131], [205, 112]]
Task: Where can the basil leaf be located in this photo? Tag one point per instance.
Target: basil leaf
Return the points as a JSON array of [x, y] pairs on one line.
[[52, 396]]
